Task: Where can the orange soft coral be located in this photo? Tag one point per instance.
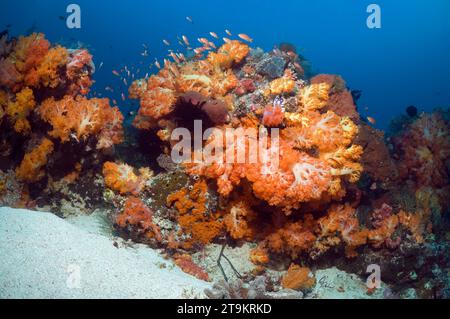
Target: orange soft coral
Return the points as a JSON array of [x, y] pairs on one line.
[[291, 176], [193, 217], [239, 219], [136, 221], [121, 178], [19, 110], [31, 168], [232, 52], [273, 115], [292, 239], [47, 73], [340, 224], [298, 278], [80, 117], [30, 51]]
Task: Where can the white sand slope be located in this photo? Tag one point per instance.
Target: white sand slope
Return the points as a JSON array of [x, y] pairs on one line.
[[43, 256]]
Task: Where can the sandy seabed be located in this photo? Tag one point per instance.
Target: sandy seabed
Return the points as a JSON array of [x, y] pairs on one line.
[[44, 256]]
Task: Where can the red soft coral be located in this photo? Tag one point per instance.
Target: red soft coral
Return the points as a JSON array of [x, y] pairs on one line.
[[136, 221]]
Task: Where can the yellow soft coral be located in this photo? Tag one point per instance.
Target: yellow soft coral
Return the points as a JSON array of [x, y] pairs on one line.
[[19, 110], [31, 168], [285, 84], [314, 96]]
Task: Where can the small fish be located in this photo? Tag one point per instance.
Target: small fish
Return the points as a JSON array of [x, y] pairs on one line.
[[108, 88], [373, 186], [145, 53], [226, 40], [114, 102], [145, 46], [228, 32], [214, 35], [125, 82], [174, 57], [203, 41], [131, 113], [115, 73], [157, 64], [189, 19], [166, 42], [212, 45], [245, 37], [371, 120], [100, 66], [123, 97], [185, 40]]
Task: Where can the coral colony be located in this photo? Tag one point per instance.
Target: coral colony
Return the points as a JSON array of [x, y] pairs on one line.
[[309, 182]]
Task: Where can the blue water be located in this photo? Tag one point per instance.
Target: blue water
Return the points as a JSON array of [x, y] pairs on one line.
[[405, 62]]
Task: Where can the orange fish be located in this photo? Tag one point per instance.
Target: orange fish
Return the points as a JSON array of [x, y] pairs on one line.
[[203, 41], [115, 73], [228, 32], [226, 40], [123, 97], [245, 37], [214, 35], [174, 57], [157, 64], [185, 40], [371, 120], [212, 45]]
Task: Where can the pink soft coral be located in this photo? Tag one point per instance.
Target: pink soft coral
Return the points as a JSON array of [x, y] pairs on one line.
[[424, 149]]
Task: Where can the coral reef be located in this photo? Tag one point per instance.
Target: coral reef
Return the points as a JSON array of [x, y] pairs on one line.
[[281, 165], [52, 135]]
